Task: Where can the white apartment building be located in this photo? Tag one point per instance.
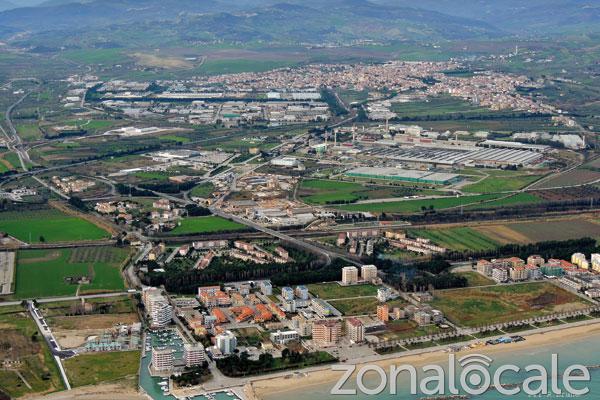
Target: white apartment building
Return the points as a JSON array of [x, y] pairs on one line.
[[500, 275], [580, 260], [226, 342], [349, 275], [161, 314], [284, 337]]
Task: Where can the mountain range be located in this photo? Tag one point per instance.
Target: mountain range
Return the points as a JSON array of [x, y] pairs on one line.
[[310, 21]]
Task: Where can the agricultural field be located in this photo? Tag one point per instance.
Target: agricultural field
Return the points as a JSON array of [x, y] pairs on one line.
[[540, 231], [21, 341], [412, 206], [458, 239], [48, 273], [233, 66], [437, 106], [483, 306], [579, 176], [502, 183], [321, 192], [507, 201], [48, 225], [209, 224], [334, 290], [476, 279], [95, 368]]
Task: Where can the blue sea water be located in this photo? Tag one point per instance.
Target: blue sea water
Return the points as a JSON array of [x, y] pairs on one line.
[[584, 351]]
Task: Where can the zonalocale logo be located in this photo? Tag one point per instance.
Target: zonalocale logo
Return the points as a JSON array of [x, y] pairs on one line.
[[475, 378]]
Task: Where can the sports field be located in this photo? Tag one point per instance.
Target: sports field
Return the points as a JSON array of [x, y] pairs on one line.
[[410, 206], [333, 290], [50, 226], [483, 306], [209, 224], [44, 273], [458, 239]]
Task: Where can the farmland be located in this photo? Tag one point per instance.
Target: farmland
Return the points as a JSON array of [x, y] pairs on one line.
[[20, 340], [501, 183], [321, 192], [507, 201], [458, 239], [570, 178], [483, 306], [335, 291], [411, 206], [44, 273], [95, 368], [48, 225], [206, 225], [540, 231]]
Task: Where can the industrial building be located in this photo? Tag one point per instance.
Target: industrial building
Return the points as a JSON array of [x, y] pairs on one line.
[[408, 175]]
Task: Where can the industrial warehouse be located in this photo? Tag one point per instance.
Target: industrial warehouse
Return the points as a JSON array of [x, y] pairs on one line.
[[425, 157], [408, 175]]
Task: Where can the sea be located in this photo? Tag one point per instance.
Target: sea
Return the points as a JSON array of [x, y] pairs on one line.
[[581, 350]]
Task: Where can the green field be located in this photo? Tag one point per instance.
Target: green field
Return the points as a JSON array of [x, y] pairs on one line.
[[21, 340], [458, 239], [203, 190], [404, 329], [476, 279], [95, 56], [335, 291], [234, 66], [438, 106], [321, 192], [360, 306], [206, 225], [507, 183], [512, 200], [29, 132], [48, 225], [95, 368], [411, 206], [42, 273], [483, 306]]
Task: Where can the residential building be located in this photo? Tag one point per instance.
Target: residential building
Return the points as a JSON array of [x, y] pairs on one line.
[[422, 318], [383, 294], [193, 354], [596, 262], [284, 337], [535, 260], [162, 359], [368, 273], [302, 292], [355, 330], [383, 312], [534, 272], [287, 293], [518, 274], [226, 342], [349, 275], [321, 307], [326, 332], [500, 275], [266, 288], [484, 267], [580, 260]]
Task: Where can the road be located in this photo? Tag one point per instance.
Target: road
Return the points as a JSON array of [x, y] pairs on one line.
[[72, 298]]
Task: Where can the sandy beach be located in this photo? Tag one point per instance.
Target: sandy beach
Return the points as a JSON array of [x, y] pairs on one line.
[[258, 389]]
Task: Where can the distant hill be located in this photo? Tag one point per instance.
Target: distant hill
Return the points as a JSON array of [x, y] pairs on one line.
[[245, 20]]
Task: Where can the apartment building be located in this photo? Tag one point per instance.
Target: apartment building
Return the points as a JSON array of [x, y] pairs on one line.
[[355, 330], [326, 332], [349, 275]]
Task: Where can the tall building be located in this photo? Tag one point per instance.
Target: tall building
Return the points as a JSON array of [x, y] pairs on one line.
[[580, 260], [326, 332], [519, 274], [383, 312], [287, 293], [355, 330], [226, 342], [383, 294], [500, 275], [596, 262], [193, 354], [266, 288], [302, 292], [162, 359], [368, 272], [349, 275], [158, 308]]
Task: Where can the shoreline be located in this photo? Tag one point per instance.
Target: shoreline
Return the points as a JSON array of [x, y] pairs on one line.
[[259, 388]]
